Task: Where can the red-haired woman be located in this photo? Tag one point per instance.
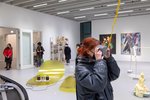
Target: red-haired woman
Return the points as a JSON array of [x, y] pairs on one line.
[[8, 56], [94, 73]]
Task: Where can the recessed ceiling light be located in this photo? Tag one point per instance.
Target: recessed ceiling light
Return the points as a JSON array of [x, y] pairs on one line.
[[143, 0], [40, 5], [115, 4], [63, 12], [90, 8], [62, 0], [147, 8], [101, 14], [8, 1], [127, 11], [11, 31], [79, 17]]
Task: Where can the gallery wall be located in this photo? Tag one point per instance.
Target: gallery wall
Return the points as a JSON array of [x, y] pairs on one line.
[[50, 26], [126, 25], [2, 46]]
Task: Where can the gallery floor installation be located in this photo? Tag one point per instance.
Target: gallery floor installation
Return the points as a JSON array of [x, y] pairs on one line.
[[49, 73]]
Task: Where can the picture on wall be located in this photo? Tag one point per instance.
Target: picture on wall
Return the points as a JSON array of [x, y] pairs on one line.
[[131, 43], [105, 40]]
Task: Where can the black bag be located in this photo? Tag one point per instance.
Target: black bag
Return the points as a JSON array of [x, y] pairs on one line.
[[11, 90]]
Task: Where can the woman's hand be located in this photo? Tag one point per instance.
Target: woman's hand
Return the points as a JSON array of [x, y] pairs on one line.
[[98, 54], [108, 53]]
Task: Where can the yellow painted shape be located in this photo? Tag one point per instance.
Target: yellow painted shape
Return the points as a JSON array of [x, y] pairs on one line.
[[69, 84], [116, 16], [53, 69]]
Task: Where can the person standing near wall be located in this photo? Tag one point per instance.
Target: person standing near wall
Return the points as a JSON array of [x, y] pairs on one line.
[[67, 52], [94, 72], [8, 52], [77, 47], [39, 54]]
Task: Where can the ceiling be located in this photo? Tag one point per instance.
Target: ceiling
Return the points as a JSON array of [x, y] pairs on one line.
[[84, 10]]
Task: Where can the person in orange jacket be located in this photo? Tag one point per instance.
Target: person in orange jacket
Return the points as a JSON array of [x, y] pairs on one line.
[[8, 52]]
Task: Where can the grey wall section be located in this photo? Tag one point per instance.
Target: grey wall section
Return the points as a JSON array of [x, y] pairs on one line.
[[125, 25], [50, 26]]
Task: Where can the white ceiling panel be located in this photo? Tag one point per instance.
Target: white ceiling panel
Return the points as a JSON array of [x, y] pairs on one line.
[[75, 9]]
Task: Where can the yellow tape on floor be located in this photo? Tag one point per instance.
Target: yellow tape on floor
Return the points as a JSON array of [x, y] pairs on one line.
[[69, 84], [49, 73]]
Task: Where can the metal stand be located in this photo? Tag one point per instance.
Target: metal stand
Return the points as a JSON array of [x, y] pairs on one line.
[[130, 69], [134, 75]]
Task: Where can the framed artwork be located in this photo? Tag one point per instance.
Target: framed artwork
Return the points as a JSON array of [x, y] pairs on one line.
[[105, 40], [131, 43]]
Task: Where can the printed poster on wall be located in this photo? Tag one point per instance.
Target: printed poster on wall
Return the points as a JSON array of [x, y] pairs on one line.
[[131, 43], [105, 39]]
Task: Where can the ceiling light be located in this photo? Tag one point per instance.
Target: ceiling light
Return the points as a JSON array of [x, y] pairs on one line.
[[25, 1], [79, 17], [90, 8], [7, 1], [127, 11], [11, 31], [63, 12], [143, 0], [62, 0], [147, 8], [115, 4], [101, 14], [40, 5]]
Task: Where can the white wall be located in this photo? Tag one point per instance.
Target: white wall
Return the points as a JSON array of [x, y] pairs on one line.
[[127, 24], [2, 46], [50, 26]]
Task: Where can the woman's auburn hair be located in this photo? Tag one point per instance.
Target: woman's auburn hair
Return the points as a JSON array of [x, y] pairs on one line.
[[87, 45]]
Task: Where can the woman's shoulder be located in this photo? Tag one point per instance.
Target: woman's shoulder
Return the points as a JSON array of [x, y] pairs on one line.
[[84, 62]]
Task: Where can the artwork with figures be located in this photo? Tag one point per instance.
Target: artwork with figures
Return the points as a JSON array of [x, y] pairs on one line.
[[105, 40], [57, 48], [131, 43]]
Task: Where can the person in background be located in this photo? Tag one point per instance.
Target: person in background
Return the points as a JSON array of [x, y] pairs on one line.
[[94, 72], [77, 47], [39, 53], [8, 52], [67, 52]]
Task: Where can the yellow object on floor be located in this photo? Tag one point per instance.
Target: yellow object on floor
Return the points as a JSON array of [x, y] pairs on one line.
[[49, 73], [69, 84], [141, 89]]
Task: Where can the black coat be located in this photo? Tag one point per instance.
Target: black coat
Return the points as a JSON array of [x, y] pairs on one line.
[[67, 52], [93, 78]]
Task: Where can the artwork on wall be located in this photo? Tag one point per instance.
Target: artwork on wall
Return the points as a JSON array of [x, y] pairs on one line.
[[105, 39], [57, 48], [131, 43]]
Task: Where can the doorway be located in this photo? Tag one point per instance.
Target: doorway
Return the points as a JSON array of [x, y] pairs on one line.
[[9, 35], [23, 43]]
